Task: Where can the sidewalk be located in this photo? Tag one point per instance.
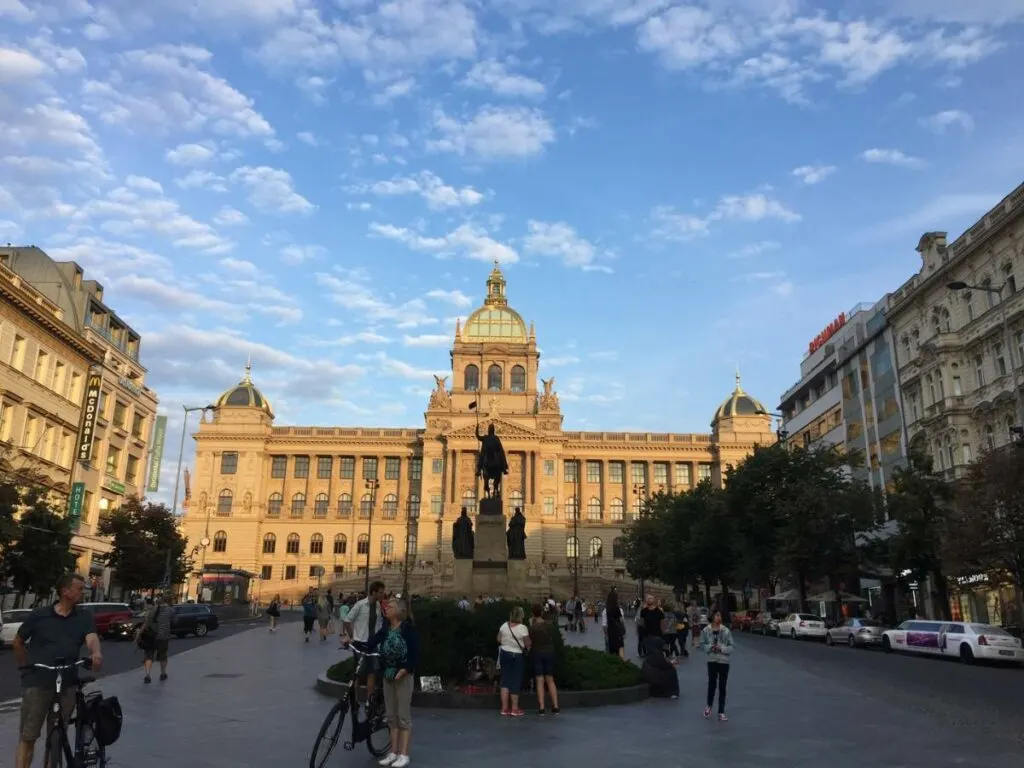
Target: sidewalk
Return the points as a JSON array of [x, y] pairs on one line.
[[247, 701]]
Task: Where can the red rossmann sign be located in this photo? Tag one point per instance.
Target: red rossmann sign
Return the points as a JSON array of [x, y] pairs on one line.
[[830, 330]]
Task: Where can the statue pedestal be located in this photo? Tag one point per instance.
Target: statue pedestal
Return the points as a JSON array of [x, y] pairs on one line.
[[463, 584], [491, 545], [517, 584]]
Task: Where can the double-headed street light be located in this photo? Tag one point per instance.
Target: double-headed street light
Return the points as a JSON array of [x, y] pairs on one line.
[[1017, 430], [371, 485], [640, 489], [781, 434]]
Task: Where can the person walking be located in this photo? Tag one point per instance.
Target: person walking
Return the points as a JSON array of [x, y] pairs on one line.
[[399, 646], [614, 625], [513, 642], [649, 623], [716, 642], [323, 616], [274, 612], [542, 653], [154, 637], [308, 613]]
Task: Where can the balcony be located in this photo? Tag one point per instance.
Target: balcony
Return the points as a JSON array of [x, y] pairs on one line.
[[121, 345]]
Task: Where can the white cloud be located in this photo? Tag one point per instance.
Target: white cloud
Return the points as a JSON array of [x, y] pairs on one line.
[[20, 66], [813, 174], [495, 77], [455, 298], [53, 131], [64, 60], [270, 189], [144, 184], [240, 267], [300, 254], [941, 121], [560, 240], [755, 249], [307, 137], [400, 368], [427, 340], [494, 133], [202, 180], [16, 10], [229, 217], [351, 291], [427, 185], [191, 154], [891, 157], [362, 337], [669, 224], [468, 240], [672, 225], [394, 90]]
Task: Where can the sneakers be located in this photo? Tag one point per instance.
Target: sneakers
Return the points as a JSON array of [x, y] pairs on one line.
[[555, 710], [516, 713], [722, 717], [542, 711], [707, 712], [163, 676], [388, 760], [147, 680], [506, 712], [401, 762]]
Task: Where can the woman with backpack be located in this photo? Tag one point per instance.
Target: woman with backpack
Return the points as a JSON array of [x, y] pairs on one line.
[[274, 612], [154, 637]]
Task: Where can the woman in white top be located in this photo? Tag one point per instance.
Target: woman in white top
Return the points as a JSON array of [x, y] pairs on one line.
[[513, 642]]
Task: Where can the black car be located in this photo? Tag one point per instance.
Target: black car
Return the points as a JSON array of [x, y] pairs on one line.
[[186, 619]]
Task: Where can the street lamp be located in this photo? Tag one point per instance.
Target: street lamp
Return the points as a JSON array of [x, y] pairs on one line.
[[1016, 431], [372, 486], [781, 434], [411, 514], [640, 489], [576, 528], [181, 451]]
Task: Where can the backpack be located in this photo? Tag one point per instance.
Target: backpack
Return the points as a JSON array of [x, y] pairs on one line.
[[106, 718]]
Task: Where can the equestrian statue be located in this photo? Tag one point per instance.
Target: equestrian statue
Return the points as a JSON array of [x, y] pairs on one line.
[[491, 462]]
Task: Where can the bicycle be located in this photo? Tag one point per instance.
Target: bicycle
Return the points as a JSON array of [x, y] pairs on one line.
[[91, 737], [362, 730]]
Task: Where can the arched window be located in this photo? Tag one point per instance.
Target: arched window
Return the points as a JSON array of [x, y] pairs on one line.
[[414, 506], [618, 511], [387, 547], [469, 501], [411, 544], [618, 548], [516, 499], [471, 379], [292, 545], [572, 547], [220, 542], [1009, 428], [320, 505], [572, 509], [638, 506], [224, 502], [345, 505], [494, 378], [340, 544], [990, 437], [950, 451], [365, 506], [363, 544], [518, 378], [316, 544], [269, 544], [596, 548], [594, 509], [298, 504], [945, 321], [274, 505], [390, 506]]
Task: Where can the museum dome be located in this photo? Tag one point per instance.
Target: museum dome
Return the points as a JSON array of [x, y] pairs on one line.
[[245, 395], [495, 320], [739, 403]]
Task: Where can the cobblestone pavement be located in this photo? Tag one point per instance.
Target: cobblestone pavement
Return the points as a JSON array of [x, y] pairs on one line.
[[248, 701]]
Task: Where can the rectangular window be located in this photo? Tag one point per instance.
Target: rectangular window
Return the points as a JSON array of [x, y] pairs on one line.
[[979, 370], [18, 353], [131, 470], [704, 472], [549, 506], [289, 573], [968, 454], [958, 387], [436, 505], [6, 417], [1000, 360], [60, 372], [437, 466], [572, 470], [120, 414], [113, 460], [616, 471], [42, 367], [339, 570], [549, 468], [661, 474], [137, 421], [638, 473], [75, 390], [392, 468], [683, 475], [324, 467], [229, 462], [301, 468], [416, 468], [347, 466], [278, 466], [370, 468], [266, 572], [593, 471], [314, 571]]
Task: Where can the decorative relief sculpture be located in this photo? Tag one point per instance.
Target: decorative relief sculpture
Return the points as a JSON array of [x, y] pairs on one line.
[[439, 398], [247, 502], [549, 399]]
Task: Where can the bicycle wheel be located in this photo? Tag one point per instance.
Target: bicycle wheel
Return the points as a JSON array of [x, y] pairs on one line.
[[330, 734], [54, 755], [379, 740]]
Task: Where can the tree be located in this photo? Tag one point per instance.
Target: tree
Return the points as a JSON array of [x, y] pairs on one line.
[[641, 539], [40, 553], [709, 549], [143, 535]]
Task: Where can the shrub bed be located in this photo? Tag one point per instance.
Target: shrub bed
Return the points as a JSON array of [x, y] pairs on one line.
[[586, 669]]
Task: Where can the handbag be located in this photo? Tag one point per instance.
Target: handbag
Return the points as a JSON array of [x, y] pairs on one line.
[[521, 649]]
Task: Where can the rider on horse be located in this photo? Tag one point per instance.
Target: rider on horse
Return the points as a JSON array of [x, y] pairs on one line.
[[491, 461]]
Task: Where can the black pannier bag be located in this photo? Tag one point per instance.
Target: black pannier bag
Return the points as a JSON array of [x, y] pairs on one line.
[[106, 719]]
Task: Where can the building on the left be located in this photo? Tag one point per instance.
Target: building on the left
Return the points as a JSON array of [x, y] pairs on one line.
[[74, 406]]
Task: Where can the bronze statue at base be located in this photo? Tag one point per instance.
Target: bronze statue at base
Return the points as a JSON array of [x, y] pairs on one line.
[[463, 541], [516, 536]]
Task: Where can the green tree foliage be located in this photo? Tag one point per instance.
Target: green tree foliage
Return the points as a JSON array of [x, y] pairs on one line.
[[9, 499], [142, 536], [39, 551], [641, 539]]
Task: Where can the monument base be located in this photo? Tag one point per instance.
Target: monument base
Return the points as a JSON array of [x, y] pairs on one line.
[[516, 584], [491, 545], [463, 583]]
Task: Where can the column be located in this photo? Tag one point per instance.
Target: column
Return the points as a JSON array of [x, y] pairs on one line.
[[694, 466], [453, 469]]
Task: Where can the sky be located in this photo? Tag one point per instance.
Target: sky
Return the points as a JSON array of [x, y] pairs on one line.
[[674, 190]]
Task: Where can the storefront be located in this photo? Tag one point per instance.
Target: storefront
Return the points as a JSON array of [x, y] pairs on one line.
[[977, 599], [223, 584]]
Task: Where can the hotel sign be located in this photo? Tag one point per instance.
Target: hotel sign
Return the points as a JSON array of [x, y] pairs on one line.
[[90, 410], [830, 330], [156, 456]]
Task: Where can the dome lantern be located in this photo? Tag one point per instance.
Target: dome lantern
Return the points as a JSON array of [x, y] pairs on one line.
[[244, 394]]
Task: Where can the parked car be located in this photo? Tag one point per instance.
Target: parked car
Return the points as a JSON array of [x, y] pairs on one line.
[[10, 622], [766, 623], [741, 620], [186, 619], [106, 614], [968, 641], [124, 629], [859, 633], [801, 625]]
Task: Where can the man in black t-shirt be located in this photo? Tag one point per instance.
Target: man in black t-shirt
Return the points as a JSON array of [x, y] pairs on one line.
[[651, 618]]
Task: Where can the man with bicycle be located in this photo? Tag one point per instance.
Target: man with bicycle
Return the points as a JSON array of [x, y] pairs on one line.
[[362, 623], [57, 631]]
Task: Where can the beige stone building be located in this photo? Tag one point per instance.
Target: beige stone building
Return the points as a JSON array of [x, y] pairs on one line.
[[116, 468], [283, 502]]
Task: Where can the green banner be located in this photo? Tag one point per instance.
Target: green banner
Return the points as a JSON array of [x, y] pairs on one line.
[[75, 502], [156, 455]]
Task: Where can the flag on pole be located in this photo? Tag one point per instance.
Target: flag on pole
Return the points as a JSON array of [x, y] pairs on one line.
[[472, 406]]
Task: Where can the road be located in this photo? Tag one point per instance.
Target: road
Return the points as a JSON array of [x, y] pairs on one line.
[[123, 656]]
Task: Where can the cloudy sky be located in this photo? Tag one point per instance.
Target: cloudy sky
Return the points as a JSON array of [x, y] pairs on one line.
[[673, 189]]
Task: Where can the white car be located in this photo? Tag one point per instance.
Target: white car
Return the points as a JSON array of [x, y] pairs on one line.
[[10, 621], [802, 625], [965, 640]]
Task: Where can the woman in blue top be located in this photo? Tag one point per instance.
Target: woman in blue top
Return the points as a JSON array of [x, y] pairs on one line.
[[399, 646]]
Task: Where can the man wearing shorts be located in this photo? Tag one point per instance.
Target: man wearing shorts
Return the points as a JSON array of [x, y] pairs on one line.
[[50, 633], [362, 623], [154, 636]]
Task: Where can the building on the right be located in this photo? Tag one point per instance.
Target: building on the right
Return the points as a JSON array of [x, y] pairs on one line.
[[958, 330]]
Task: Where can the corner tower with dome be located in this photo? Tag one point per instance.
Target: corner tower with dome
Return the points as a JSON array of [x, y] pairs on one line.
[[302, 505]]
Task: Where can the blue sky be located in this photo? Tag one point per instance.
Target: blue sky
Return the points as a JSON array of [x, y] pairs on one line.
[[673, 189]]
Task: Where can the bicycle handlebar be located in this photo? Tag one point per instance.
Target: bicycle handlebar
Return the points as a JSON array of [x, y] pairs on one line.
[[86, 663], [360, 649]]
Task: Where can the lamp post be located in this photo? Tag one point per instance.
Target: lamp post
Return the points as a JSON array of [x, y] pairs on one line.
[[372, 486], [1017, 430], [181, 451], [576, 528], [781, 434], [410, 515], [640, 489]]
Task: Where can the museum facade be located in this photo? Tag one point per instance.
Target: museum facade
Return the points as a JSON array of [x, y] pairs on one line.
[[298, 506]]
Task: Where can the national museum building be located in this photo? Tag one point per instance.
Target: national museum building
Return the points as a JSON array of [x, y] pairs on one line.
[[294, 505]]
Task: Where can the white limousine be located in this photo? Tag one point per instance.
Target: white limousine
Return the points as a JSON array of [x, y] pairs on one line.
[[961, 639]]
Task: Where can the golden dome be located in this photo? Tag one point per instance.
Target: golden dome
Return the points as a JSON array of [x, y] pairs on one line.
[[739, 403], [244, 395], [495, 320]]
